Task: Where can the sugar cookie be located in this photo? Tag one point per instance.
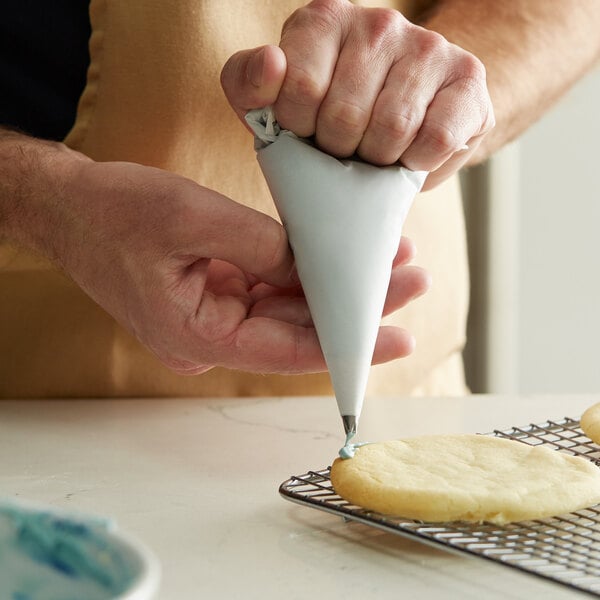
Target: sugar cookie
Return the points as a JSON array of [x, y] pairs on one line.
[[466, 478], [590, 423]]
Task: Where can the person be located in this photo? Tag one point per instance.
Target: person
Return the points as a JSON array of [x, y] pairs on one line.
[[146, 246]]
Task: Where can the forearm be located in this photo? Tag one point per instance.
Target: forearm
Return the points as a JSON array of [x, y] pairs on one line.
[[533, 52], [34, 177]]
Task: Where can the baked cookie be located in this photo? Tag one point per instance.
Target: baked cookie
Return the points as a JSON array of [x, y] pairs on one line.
[[465, 478], [590, 423]]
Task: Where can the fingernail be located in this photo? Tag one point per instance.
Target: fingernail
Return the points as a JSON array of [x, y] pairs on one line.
[[413, 343], [428, 284], [255, 68]]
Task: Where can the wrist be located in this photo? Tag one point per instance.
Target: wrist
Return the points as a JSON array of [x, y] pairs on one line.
[[35, 177]]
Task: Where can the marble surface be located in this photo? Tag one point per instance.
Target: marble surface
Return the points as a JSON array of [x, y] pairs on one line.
[[197, 481]]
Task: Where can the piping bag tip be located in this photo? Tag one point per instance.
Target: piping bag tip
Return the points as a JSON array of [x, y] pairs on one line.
[[350, 424]]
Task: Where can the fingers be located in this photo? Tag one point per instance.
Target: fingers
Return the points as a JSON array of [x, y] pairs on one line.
[[311, 39], [366, 56], [295, 350], [273, 335], [400, 108], [453, 164], [253, 78], [213, 226], [367, 81], [263, 345], [459, 112], [406, 252], [292, 310], [406, 284], [278, 336], [392, 343]]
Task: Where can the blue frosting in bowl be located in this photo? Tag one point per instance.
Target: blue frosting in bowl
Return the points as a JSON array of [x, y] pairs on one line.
[[52, 555]]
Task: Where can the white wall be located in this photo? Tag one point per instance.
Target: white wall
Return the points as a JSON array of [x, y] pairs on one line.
[[533, 221], [558, 341]]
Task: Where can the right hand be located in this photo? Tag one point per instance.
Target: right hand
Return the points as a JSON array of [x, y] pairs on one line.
[[366, 81]]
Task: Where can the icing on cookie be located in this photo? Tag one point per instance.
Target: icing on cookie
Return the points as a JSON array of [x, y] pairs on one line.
[[348, 450]]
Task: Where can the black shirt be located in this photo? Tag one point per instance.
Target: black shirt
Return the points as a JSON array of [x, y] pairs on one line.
[[43, 64]]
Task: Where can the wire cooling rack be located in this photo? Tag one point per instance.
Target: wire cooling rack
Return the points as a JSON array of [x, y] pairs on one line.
[[565, 549]]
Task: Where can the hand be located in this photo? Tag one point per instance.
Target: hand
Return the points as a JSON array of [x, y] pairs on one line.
[[367, 81], [200, 280]]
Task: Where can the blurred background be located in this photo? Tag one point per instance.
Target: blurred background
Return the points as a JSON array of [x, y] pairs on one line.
[[533, 219]]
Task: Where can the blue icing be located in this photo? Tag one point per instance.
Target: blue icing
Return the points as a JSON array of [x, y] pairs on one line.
[[48, 556], [349, 449]]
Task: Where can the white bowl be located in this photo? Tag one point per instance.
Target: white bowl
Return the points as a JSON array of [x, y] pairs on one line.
[[48, 553]]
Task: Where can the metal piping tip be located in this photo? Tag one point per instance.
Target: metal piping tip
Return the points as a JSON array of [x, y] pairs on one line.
[[350, 423]]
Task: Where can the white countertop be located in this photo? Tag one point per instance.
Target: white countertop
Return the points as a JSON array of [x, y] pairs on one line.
[[197, 481]]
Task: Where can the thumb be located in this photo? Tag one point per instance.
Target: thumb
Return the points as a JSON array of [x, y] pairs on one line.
[[253, 78]]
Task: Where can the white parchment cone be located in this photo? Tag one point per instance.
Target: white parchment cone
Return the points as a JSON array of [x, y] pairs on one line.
[[344, 220]]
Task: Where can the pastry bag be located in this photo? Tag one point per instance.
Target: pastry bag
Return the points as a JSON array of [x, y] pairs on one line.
[[344, 221]]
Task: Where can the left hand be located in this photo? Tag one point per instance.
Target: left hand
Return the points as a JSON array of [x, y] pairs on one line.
[[367, 81], [199, 279]]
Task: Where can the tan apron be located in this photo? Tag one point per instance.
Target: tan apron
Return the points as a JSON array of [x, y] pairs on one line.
[[153, 97]]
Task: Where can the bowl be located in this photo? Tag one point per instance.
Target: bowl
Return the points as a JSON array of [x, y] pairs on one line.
[[50, 554]]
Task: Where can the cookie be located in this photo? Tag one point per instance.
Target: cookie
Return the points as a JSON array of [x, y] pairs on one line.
[[474, 478], [590, 423]]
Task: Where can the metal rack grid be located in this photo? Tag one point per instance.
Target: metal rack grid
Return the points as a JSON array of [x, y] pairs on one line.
[[565, 549]]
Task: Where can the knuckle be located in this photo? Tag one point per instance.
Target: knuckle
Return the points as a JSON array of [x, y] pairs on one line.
[[231, 71], [345, 118], [440, 138], [472, 68], [271, 248], [472, 75], [303, 31], [320, 16], [428, 45], [377, 155], [388, 132], [490, 118], [486, 116], [384, 24], [300, 88], [209, 331], [395, 125]]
